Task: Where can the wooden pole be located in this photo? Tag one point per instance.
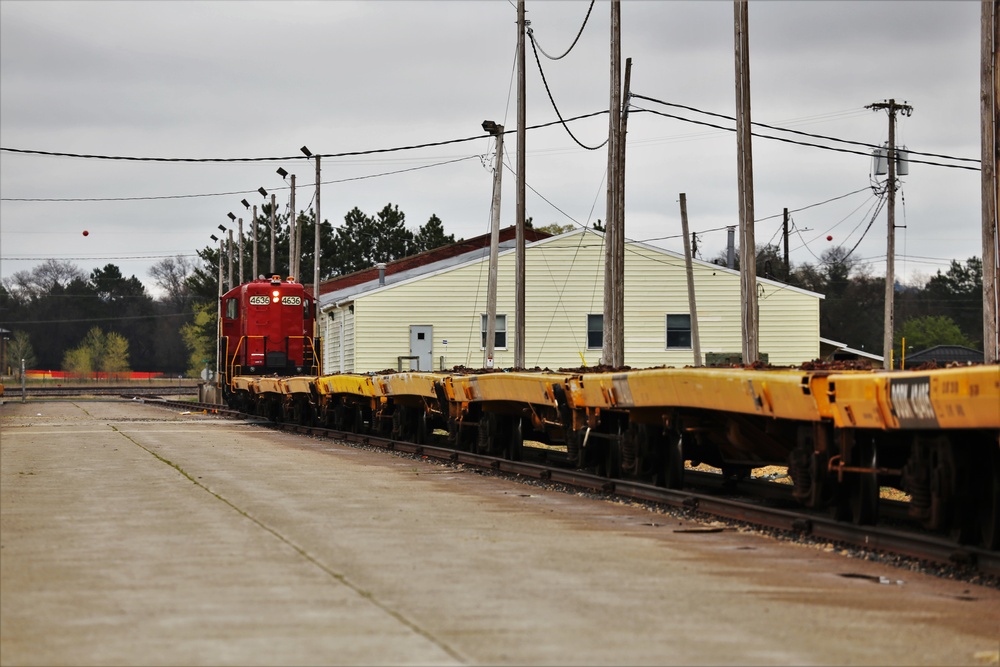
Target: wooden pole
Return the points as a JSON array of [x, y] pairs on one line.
[[254, 225], [293, 264], [316, 274], [519, 254], [692, 305], [748, 263], [610, 344], [491, 289], [989, 111], [273, 258], [240, 223], [890, 252], [620, 227], [784, 229], [229, 270]]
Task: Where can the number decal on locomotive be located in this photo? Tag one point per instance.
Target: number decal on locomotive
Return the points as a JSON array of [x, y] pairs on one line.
[[260, 300], [291, 301]]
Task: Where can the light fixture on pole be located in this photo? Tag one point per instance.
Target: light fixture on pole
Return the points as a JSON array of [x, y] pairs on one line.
[[318, 222], [229, 253], [253, 225], [491, 290], [263, 193], [293, 233], [231, 216]]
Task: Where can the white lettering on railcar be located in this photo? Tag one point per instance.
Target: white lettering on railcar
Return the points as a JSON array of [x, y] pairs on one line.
[[911, 402]]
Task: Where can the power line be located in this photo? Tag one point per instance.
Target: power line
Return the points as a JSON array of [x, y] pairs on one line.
[[585, 19], [805, 134], [552, 100], [373, 151]]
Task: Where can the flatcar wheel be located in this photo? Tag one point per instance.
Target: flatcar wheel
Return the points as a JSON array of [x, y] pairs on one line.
[[989, 498], [862, 489], [420, 430], [515, 441], [359, 420], [487, 433], [673, 460]]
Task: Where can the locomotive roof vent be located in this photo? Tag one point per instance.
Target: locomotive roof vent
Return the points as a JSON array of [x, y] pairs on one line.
[[275, 280]]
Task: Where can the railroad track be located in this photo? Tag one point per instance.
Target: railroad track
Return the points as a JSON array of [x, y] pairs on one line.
[[908, 543], [125, 391]]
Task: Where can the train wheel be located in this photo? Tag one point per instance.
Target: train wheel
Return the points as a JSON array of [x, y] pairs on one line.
[[400, 423], [611, 466], [988, 497], [358, 422], [859, 493], [673, 460], [340, 417], [420, 430], [515, 440], [487, 433]]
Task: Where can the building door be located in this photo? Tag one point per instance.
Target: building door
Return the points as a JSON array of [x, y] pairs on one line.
[[422, 346]]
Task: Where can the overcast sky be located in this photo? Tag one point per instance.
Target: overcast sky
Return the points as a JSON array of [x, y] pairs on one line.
[[261, 79]]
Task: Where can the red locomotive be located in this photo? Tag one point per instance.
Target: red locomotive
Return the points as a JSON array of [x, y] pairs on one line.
[[267, 328]]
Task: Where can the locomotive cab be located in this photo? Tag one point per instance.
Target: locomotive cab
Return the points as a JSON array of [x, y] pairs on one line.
[[267, 329]]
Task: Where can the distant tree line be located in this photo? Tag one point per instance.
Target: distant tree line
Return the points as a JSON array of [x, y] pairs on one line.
[[62, 318], [945, 309]]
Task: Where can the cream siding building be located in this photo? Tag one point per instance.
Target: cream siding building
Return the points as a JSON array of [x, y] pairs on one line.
[[433, 318]]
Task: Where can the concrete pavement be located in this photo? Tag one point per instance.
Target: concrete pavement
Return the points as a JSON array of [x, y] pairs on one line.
[[135, 535]]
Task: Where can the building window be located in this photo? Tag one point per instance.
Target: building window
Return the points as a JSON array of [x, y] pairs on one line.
[[595, 332], [500, 335], [679, 332]]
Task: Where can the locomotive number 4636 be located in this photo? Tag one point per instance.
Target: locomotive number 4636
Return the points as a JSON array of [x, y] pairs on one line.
[[291, 301]]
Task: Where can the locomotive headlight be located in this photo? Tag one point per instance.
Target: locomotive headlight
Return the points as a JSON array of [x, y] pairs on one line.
[[276, 296]]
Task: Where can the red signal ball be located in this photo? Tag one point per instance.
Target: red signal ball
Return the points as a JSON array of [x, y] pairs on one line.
[[86, 233], [829, 238]]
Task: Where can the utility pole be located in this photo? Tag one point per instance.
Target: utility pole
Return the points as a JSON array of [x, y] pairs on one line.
[[229, 272], [519, 258], [989, 110], [254, 225], [619, 243], [293, 260], [491, 288], [744, 160], [784, 229], [240, 223], [692, 305], [273, 258], [316, 242], [890, 253], [609, 352]]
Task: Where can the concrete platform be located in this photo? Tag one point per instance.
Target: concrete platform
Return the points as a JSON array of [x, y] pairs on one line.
[[136, 535]]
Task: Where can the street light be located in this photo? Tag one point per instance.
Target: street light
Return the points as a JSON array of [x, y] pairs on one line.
[[231, 216], [263, 193], [294, 242], [316, 251], [491, 289], [245, 203]]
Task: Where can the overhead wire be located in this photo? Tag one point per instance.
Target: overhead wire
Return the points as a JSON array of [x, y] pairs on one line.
[[578, 34]]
